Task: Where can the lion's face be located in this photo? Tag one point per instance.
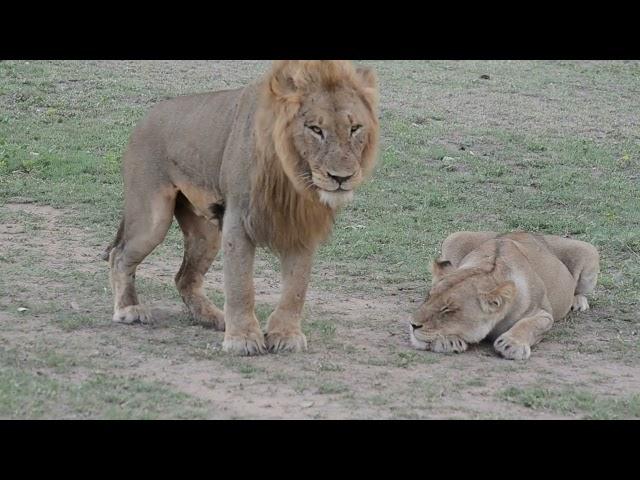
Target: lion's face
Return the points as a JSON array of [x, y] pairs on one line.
[[330, 133], [459, 312], [324, 125]]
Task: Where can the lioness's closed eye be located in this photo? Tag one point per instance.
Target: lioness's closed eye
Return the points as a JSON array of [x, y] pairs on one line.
[[509, 288]]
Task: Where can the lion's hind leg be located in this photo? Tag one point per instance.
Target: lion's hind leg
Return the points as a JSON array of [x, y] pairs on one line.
[[583, 262], [147, 219], [587, 278], [201, 245]]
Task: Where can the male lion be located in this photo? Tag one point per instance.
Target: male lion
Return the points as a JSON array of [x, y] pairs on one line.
[[264, 165], [509, 288]]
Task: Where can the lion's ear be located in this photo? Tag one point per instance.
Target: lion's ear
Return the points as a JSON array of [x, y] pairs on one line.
[[497, 298], [367, 77], [369, 87], [283, 78], [439, 268]]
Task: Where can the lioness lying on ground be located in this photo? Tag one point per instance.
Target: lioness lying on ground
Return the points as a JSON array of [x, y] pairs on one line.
[[509, 288], [265, 165]]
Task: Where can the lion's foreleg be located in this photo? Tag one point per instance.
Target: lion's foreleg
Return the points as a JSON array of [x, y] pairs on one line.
[[516, 343], [242, 330], [284, 331]]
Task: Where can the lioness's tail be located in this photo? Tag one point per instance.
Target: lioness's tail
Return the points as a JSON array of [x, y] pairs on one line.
[[116, 241]]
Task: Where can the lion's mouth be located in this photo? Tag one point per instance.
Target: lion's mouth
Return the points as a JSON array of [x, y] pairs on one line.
[[333, 183], [331, 187], [335, 198], [338, 190]]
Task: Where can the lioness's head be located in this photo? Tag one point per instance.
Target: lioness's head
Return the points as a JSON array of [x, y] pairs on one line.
[[321, 118], [462, 307]]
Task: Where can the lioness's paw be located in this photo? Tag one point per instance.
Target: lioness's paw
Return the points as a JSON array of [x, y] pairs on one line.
[[448, 344], [580, 303], [286, 341], [246, 344], [132, 314], [511, 348]]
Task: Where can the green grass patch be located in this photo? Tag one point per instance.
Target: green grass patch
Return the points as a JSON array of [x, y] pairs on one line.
[[575, 402]]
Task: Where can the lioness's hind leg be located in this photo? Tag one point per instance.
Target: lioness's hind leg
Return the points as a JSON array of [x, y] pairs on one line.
[[146, 222], [580, 303], [587, 278], [201, 245], [583, 262]]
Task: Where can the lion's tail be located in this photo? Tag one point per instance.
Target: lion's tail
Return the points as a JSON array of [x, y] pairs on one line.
[[114, 243]]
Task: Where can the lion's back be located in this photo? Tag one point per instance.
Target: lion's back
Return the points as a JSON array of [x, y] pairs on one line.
[[194, 122], [184, 138]]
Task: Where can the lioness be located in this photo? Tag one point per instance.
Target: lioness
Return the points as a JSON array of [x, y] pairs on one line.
[[509, 288], [264, 165]]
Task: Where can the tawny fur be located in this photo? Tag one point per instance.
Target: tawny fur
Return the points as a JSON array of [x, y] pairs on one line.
[[277, 203], [509, 288], [240, 169]]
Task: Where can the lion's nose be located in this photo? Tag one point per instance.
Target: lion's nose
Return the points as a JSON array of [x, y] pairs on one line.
[[340, 179]]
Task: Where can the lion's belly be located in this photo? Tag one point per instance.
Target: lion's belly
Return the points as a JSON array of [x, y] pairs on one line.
[[204, 203]]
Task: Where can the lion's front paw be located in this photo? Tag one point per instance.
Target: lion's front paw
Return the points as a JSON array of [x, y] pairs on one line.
[[512, 349], [448, 344], [132, 314], [251, 343], [279, 341], [580, 303]]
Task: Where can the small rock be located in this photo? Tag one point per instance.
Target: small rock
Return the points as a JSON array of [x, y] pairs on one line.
[[307, 404], [448, 159], [75, 306], [485, 77], [22, 309]]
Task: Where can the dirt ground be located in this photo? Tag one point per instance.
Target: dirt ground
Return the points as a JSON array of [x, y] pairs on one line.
[[362, 370]]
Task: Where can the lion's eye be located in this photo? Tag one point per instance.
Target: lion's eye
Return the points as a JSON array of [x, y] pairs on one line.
[[315, 129], [355, 128]]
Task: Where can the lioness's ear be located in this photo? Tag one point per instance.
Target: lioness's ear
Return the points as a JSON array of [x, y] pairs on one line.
[[439, 268], [494, 300]]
